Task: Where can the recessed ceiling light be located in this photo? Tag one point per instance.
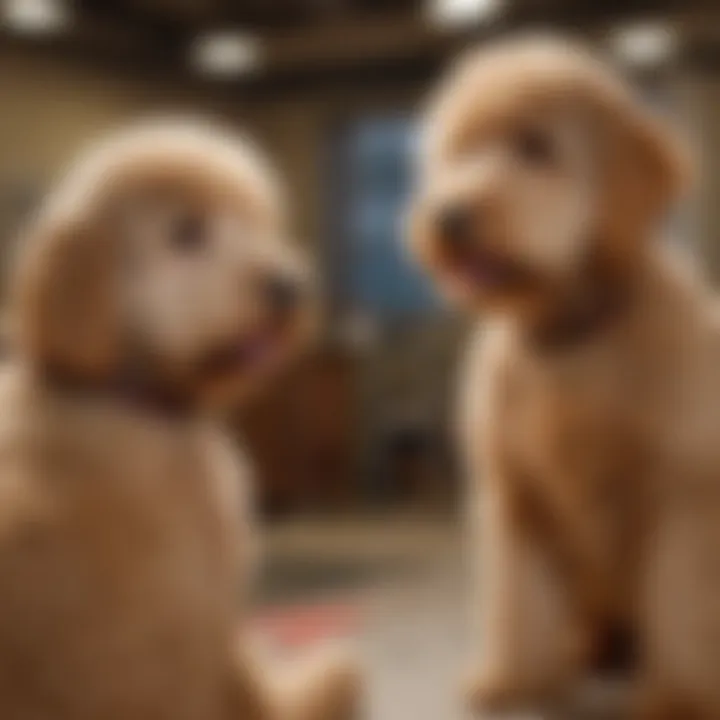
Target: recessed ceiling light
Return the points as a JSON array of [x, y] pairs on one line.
[[34, 17], [226, 53], [645, 44], [457, 14]]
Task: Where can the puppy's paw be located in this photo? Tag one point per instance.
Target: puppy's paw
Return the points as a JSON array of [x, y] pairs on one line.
[[656, 704], [491, 690], [500, 690], [327, 686]]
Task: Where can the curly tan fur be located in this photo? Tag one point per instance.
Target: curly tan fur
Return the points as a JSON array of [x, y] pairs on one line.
[[593, 456], [126, 538]]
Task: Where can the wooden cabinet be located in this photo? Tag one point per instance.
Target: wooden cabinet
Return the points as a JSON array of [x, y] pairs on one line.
[[301, 435]]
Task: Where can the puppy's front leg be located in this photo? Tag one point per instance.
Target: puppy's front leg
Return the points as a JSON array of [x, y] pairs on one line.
[[680, 611], [325, 685], [533, 641]]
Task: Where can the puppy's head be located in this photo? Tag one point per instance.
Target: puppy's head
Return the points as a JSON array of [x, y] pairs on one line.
[[163, 255], [536, 158]]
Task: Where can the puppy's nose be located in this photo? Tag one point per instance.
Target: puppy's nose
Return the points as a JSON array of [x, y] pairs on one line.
[[282, 294], [454, 225]]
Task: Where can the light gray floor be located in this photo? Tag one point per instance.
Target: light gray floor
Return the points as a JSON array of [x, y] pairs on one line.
[[405, 573]]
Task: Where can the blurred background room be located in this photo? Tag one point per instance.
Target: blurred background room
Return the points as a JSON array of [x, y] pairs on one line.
[[357, 479]]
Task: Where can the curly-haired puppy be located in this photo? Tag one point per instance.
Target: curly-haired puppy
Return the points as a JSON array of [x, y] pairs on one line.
[[154, 287], [591, 399]]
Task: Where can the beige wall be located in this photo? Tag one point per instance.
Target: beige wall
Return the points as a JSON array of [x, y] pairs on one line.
[[51, 107], [699, 100]]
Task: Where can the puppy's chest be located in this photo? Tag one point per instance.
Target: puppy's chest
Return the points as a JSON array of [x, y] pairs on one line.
[[568, 434], [154, 533]]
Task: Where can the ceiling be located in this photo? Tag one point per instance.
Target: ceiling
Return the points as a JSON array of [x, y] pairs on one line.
[[259, 14], [313, 42]]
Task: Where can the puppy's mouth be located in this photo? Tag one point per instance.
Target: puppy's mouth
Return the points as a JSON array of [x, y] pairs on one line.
[[251, 352], [478, 268]]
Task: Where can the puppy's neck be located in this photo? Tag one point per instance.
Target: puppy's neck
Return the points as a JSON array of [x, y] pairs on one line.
[[582, 310]]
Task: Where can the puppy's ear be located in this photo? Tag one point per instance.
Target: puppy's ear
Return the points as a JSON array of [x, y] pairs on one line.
[[64, 297], [647, 172]]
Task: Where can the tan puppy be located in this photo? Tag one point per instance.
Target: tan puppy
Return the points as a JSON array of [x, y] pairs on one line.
[[591, 399], [155, 286]]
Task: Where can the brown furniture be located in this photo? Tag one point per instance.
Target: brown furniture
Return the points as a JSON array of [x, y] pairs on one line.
[[300, 435]]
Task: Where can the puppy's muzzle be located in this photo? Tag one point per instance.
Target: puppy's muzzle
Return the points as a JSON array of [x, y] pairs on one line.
[[468, 246]]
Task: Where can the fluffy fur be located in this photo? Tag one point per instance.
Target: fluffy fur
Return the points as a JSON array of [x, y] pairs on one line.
[[591, 394], [126, 540]]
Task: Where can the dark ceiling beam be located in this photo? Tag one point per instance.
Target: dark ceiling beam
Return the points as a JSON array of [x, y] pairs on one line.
[[350, 42], [186, 11]]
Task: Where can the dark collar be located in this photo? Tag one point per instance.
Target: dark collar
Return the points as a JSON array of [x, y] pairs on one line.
[[582, 314], [129, 389]]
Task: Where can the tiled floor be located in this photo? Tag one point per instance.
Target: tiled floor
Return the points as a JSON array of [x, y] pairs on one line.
[[396, 585]]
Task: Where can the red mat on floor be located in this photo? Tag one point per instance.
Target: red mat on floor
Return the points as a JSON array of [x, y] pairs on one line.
[[298, 625]]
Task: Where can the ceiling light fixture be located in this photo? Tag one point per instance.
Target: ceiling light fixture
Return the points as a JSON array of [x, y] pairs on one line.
[[226, 53], [644, 45], [459, 14], [34, 17]]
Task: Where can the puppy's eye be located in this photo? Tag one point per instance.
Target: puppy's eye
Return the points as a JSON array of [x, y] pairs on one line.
[[535, 147], [188, 232]]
